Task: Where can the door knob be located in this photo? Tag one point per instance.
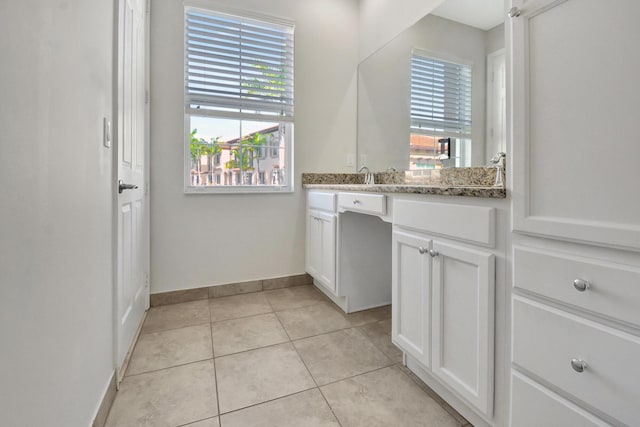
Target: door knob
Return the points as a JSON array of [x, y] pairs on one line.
[[122, 186]]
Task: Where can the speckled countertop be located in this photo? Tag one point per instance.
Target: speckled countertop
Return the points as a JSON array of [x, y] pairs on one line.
[[470, 182]]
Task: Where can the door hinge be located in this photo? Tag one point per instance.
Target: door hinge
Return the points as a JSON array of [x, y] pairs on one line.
[[147, 6], [146, 280]]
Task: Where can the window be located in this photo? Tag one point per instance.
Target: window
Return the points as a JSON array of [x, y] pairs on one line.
[[238, 103], [440, 113]]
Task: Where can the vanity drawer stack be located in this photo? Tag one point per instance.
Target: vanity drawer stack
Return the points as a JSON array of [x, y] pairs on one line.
[[576, 343]]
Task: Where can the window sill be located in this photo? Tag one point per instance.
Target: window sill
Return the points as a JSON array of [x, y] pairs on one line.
[[240, 189]]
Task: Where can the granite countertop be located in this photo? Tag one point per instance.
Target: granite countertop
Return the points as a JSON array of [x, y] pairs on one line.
[[470, 182]]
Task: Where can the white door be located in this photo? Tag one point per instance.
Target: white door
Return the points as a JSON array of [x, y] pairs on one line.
[[132, 293], [321, 244], [463, 322], [411, 295]]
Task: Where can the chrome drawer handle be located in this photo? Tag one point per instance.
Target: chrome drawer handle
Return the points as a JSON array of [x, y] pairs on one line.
[[578, 365], [356, 202], [581, 285], [422, 250], [433, 253]]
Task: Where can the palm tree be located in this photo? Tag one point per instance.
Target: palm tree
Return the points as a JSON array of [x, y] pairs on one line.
[[255, 144]]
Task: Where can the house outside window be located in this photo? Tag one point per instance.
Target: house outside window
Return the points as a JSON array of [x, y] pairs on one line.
[[238, 103], [440, 112]]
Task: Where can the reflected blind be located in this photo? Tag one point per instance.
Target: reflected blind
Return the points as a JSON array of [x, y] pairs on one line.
[[239, 67], [440, 97]]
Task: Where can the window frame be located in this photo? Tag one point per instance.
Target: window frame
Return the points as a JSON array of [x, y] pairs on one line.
[[286, 122]]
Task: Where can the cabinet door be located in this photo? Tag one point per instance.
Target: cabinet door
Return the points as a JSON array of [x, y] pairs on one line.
[[575, 91], [463, 322], [411, 295], [321, 248]]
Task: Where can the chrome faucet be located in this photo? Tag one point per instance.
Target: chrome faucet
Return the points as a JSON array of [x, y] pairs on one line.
[[499, 158], [499, 162], [368, 176]]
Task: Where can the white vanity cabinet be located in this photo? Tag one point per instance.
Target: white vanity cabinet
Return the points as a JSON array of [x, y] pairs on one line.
[[443, 299], [576, 263], [320, 258]]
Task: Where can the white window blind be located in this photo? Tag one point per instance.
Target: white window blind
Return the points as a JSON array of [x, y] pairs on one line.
[[238, 67], [440, 97]]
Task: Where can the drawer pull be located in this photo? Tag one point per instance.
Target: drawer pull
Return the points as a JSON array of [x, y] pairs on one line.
[[581, 285], [433, 253], [356, 202], [422, 250], [578, 365]]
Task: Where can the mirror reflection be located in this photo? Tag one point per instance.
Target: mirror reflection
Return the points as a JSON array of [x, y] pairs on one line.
[[434, 96]]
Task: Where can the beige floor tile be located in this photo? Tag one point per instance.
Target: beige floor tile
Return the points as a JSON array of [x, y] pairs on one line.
[[247, 333], [166, 398], [379, 333], [339, 355], [383, 398], [298, 296], [164, 349], [237, 306], [256, 376], [455, 414], [378, 314], [211, 422], [306, 409], [312, 320], [176, 316]]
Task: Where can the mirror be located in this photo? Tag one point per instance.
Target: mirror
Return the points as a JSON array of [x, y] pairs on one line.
[[391, 132]]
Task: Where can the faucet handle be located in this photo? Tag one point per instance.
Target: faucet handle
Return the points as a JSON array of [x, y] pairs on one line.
[[500, 155]]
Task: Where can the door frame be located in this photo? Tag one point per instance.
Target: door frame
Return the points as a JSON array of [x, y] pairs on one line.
[[116, 106]]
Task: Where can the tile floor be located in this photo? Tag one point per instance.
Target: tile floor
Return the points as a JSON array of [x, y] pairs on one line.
[[279, 358]]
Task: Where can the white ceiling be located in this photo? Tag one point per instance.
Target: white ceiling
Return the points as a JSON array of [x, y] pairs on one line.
[[483, 14]]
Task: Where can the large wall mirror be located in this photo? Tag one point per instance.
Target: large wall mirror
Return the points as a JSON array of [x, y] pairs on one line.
[[434, 96]]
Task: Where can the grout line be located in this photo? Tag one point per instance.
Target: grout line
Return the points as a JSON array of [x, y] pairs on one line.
[[240, 317], [357, 375], [169, 367], [197, 421], [266, 401], [174, 329], [215, 371], [330, 407]]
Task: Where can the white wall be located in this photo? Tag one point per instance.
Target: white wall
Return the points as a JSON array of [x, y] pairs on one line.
[[385, 89], [382, 20], [262, 235], [56, 351]]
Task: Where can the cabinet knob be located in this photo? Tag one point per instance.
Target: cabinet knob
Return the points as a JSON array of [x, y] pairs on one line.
[[356, 202], [422, 250], [581, 285], [514, 12], [433, 253], [578, 365]]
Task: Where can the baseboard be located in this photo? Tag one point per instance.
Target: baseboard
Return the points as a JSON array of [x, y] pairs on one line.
[[105, 405], [229, 289]]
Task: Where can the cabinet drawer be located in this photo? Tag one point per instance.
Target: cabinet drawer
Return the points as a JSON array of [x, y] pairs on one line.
[[533, 405], [473, 224], [322, 200], [375, 204], [614, 289], [545, 340]]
